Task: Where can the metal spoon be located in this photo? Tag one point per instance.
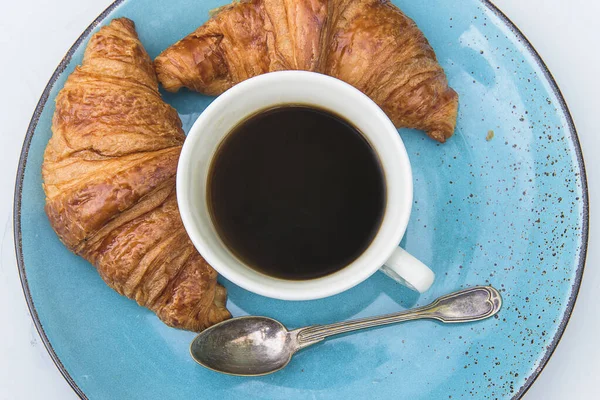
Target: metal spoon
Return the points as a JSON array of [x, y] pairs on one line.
[[252, 346]]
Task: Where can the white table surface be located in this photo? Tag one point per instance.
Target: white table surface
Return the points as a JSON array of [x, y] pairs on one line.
[[34, 36]]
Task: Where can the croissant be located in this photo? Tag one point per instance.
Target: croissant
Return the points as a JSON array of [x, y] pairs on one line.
[[370, 44], [109, 178]]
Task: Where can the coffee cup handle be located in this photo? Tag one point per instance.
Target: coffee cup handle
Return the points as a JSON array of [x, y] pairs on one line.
[[408, 271]]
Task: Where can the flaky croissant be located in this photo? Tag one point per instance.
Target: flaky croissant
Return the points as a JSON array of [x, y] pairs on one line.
[[370, 44], [109, 177]]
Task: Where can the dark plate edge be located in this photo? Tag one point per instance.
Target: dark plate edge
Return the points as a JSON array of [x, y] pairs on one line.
[[19, 188], [585, 197], [487, 3]]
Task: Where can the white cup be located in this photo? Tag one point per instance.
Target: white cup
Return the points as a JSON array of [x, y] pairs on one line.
[[321, 91]]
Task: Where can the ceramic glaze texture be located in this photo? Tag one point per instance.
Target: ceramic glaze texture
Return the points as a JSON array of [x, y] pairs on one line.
[[510, 212]]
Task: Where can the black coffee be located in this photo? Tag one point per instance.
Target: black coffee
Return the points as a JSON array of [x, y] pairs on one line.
[[296, 192]]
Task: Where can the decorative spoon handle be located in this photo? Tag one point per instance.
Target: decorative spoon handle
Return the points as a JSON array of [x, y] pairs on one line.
[[466, 305]]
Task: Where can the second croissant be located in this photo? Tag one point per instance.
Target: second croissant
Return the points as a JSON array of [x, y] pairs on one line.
[[369, 44]]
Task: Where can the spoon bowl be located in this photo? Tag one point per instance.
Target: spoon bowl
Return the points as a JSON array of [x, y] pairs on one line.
[[244, 346]]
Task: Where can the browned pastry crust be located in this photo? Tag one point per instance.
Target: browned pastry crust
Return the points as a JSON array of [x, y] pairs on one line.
[[370, 44], [109, 177]]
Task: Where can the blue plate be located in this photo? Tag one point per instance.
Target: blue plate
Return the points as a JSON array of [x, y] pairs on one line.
[[511, 212]]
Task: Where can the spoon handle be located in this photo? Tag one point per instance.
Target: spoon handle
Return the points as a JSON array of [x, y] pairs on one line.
[[466, 305]]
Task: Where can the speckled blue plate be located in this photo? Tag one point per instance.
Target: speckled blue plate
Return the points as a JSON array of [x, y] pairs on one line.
[[511, 212]]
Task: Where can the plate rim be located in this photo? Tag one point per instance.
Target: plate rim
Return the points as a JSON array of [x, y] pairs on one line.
[[529, 380]]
